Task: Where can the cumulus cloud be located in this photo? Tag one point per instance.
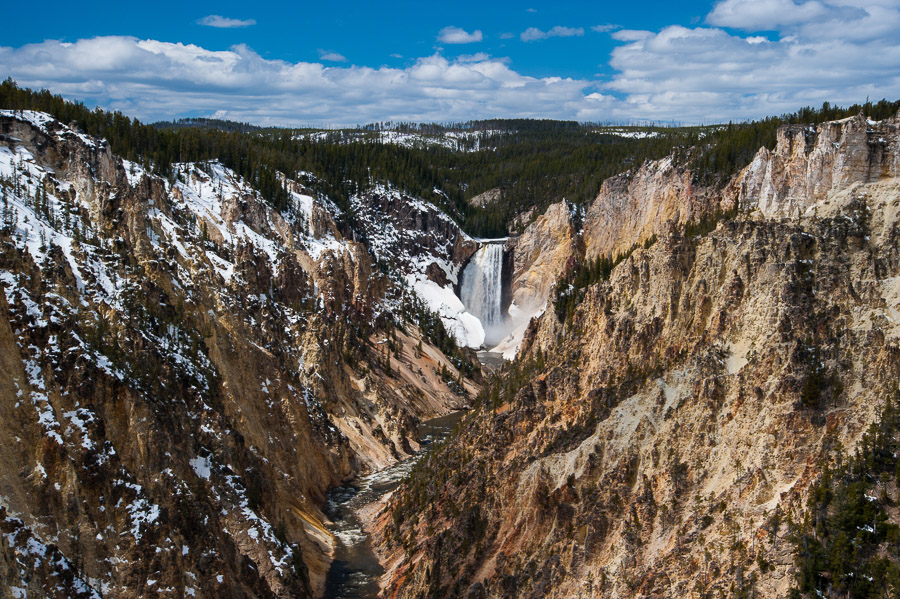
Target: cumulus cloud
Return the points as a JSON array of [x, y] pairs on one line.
[[840, 51], [857, 20], [707, 73], [455, 35], [224, 22], [161, 80], [331, 56], [762, 15], [477, 57], [533, 34]]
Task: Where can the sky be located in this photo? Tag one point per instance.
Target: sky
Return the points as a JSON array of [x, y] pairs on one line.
[[337, 64]]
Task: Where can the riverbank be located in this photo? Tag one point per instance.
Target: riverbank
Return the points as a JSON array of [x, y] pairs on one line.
[[370, 517], [353, 510]]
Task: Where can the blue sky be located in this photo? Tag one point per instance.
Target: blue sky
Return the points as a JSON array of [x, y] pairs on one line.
[[368, 33], [344, 63]]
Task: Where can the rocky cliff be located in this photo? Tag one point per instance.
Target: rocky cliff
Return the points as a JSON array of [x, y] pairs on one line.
[[636, 205], [538, 257], [425, 249], [657, 442], [630, 209], [412, 234], [186, 371], [810, 162]]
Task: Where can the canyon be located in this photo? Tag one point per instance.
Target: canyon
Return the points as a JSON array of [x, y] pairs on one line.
[[209, 395]]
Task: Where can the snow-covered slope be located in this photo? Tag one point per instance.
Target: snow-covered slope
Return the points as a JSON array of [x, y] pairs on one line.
[[186, 371], [462, 141], [424, 247]]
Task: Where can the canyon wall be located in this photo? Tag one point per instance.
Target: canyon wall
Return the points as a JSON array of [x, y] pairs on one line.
[[657, 443], [186, 372]]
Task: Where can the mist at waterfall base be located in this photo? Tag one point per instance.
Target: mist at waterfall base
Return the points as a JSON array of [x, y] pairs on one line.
[[482, 292]]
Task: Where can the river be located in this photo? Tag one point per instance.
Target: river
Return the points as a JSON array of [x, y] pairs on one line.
[[355, 570]]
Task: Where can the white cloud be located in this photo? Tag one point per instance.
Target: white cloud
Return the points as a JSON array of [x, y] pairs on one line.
[[331, 56], [477, 57], [688, 74], [605, 28], [706, 74], [631, 35], [770, 15], [455, 35], [533, 33], [225, 22], [159, 80]]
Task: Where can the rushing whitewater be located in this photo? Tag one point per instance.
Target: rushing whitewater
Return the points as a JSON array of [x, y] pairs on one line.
[[482, 291]]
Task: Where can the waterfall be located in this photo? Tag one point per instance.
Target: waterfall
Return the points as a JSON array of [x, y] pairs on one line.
[[482, 290]]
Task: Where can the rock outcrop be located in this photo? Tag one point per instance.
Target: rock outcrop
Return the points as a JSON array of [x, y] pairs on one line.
[[810, 162], [487, 198], [411, 233], [632, 207], [539, 257]]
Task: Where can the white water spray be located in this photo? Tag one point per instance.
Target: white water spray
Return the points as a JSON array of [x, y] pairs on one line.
[[482, 291]]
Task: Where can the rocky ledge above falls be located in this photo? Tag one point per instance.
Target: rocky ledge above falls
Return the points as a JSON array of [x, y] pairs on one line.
[[412, 234], [634, 206]]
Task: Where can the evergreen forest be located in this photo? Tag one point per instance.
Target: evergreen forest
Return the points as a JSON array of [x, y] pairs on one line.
[[532, 163]]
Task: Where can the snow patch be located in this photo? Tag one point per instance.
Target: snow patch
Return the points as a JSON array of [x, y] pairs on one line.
[[202, 466]]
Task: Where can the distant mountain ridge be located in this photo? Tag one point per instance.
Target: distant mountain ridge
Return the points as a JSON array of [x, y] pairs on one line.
[[207, 123]]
